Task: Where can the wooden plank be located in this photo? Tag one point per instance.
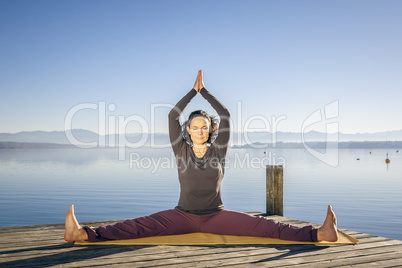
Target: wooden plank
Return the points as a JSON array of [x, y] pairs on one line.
[[116, 259], [43, 245], [260, 256]]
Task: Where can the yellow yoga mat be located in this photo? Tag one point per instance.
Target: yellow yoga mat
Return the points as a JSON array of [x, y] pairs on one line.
[[213, 239]]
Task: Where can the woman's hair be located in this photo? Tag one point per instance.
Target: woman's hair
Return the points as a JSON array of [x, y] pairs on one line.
[[213, 125]]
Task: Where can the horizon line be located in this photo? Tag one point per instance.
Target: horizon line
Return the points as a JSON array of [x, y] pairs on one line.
[[254, 131]]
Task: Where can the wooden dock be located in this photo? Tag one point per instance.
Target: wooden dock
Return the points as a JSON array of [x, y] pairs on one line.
[[43, 246]]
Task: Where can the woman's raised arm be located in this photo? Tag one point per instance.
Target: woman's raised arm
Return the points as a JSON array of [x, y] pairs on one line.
[[223, 112], [174, 116]]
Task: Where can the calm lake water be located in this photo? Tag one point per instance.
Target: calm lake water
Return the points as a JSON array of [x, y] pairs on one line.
[[38, 186]]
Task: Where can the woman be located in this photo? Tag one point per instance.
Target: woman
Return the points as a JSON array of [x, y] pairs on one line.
[[200, 149]]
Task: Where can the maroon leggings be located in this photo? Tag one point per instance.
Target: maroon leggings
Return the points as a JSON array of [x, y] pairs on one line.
[[224, 222]]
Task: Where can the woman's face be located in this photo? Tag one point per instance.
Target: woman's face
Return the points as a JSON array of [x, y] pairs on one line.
[[199, 130]]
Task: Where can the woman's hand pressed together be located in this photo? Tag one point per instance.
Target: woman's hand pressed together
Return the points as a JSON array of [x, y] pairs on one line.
[[199, 83]]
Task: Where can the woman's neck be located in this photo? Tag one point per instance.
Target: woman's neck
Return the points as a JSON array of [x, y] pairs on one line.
[[200, 150], [200, 146]]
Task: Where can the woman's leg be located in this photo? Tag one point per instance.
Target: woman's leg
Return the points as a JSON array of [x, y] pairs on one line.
[[228, 222], [166, 222]]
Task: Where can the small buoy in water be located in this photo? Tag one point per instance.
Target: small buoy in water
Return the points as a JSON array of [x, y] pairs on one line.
[[357, 158], [370, 152], [397, 151], [265, 152], [387, 161]]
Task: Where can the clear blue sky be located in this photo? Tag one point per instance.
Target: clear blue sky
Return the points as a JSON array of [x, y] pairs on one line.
[[274, 57]]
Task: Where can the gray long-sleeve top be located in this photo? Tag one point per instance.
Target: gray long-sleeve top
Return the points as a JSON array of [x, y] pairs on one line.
[[200, 178]]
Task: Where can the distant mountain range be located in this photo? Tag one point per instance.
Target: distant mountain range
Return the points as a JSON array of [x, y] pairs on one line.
[[237, 139], [80, 136]]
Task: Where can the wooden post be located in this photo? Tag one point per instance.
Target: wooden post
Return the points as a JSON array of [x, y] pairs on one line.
[[275, 190]]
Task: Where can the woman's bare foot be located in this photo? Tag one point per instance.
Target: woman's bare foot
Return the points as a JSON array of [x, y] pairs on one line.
[[73, 232], [328, 231]]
